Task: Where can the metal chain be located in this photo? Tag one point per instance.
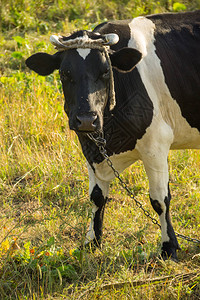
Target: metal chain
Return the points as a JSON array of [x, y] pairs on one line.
[[101, 143]]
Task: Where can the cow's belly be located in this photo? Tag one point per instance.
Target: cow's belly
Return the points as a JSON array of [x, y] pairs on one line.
[[120, 162], [185, 136], [188, 139]]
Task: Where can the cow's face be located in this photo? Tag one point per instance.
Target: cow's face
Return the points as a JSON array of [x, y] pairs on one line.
[[85, 76], [85, 80]]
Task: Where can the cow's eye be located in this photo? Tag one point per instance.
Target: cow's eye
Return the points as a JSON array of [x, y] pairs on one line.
[[106, 74], [66, 76]]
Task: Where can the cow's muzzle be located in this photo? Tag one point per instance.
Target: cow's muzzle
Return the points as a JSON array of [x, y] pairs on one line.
[[87, 122]]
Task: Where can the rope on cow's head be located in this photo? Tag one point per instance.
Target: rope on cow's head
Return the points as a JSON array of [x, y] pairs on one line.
[[102, 44]]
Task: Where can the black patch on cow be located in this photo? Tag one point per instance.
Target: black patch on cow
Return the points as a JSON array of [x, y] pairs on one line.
[[170, 230], [99, 201], [81, 33], [98, 225], [132, 115], [156, 206], [121, 28], [177, 42], [127, 122], [97, 197], [169, 251]]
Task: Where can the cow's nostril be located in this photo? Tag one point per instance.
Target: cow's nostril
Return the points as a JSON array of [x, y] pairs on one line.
[[78, 120], [94, 118], [86, 122]]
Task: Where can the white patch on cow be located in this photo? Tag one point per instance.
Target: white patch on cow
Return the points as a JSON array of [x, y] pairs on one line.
[[93, 180], [165, 107], [120, 162], [83, 52], [163, 223], [90, 236], [142, 31]]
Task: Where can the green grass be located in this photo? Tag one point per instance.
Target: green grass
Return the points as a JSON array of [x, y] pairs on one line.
[[44, 202], [43, 15]]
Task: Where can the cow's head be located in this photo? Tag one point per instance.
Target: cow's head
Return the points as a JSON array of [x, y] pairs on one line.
[[85, 63]]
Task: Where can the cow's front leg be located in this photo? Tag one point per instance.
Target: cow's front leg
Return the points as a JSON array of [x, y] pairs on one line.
[[169, 240], [98, 191], [154, 149], [157, 171]]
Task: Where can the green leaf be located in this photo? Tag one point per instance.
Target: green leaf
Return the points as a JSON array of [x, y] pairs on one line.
[[76, 253], [67, 271], [51, 241], [17, 55], [179, 6], [20, 41], [26, 254]]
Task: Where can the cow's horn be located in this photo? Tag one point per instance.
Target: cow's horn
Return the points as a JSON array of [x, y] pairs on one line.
[[55, 40], [111, 39]]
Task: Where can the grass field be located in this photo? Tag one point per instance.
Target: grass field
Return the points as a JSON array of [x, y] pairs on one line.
[[45, 209]]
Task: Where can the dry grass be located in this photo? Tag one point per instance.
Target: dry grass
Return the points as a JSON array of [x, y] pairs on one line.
[[43, 194], [45, 208]]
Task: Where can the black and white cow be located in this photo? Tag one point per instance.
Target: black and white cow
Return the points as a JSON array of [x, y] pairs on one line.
[[156, 69]]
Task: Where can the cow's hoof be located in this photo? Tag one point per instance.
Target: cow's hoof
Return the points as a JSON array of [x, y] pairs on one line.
[[92, 245], [166, 256], [169, 252]]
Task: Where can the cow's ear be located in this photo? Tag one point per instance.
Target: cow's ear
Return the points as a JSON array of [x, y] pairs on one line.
[[43, 63], [125, 59]]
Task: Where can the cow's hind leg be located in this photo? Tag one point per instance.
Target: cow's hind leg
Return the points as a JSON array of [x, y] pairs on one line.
[[98, 191]]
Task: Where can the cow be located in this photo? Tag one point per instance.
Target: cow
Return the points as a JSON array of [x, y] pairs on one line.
[[137, 83]]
